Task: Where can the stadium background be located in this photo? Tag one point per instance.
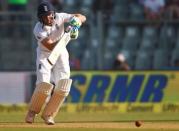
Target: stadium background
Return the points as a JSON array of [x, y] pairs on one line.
[[149, 91]]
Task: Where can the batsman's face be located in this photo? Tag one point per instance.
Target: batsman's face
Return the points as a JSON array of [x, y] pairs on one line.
[[48, 19]]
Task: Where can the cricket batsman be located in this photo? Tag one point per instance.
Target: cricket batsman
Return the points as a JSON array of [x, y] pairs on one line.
[[48, 32]]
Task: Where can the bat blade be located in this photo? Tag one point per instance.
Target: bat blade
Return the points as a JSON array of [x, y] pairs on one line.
[[57, 50]]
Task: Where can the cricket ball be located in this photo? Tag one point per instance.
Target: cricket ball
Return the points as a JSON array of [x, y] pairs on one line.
[[138, 123]]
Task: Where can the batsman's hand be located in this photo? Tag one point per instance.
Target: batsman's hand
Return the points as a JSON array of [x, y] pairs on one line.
[[75, 22], [74, 33]]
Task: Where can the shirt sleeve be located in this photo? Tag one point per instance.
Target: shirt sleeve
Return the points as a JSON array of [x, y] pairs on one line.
[[65, 17], [40, 34]]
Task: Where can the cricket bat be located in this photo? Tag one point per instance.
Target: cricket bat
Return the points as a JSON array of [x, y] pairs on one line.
[[60, 45]]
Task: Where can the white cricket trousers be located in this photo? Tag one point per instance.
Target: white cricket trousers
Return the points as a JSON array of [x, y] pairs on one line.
[[46, 73]]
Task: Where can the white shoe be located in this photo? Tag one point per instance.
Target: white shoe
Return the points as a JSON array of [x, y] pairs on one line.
[[30, 117], [48, 120]]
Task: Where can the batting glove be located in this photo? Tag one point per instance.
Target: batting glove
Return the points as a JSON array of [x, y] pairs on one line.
[[75, 22], [74, 33]]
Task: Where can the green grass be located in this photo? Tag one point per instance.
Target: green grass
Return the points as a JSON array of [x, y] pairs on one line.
[[14, 118], [94, 117]]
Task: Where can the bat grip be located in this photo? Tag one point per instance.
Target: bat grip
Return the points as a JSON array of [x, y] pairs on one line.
[[68, 29]]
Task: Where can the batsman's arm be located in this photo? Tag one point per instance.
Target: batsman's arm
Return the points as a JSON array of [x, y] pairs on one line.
[[81, 17], [49, 43], [57, 50]]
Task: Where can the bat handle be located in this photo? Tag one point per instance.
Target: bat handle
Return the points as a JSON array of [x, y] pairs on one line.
[[68, 29]]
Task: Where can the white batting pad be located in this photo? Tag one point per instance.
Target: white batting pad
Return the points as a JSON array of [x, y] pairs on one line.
[[42, 91], [64, 85], [57, 99]]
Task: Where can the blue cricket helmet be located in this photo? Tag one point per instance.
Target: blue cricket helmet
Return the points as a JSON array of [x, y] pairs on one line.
[[44, 8]]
